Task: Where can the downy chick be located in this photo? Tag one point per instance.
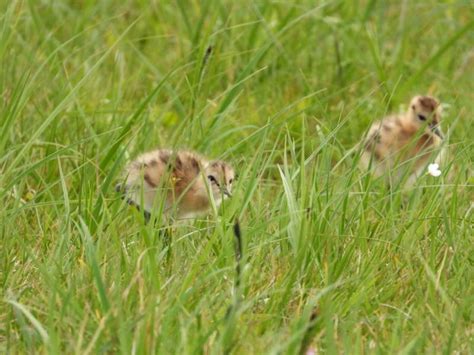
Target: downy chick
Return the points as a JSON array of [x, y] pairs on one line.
[[183, 180], [407, 141]]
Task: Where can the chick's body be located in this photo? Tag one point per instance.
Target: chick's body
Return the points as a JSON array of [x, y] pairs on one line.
[[181, 181], [401, 143]]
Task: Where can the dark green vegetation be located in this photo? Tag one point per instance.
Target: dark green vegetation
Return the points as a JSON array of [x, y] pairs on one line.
[[285, 92]]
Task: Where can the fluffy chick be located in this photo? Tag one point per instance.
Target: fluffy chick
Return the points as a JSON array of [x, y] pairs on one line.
[[182, 181], [407, 141]]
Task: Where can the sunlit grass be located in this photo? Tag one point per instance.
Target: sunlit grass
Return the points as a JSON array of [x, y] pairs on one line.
[[332, 258]]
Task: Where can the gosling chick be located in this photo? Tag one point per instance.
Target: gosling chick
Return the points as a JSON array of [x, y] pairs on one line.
[[407, 141], [184, 181]]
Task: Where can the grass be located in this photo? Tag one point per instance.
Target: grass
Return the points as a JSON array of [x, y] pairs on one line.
[[331, 258]]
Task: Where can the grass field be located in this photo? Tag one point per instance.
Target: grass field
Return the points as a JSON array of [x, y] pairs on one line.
[[332, 259]]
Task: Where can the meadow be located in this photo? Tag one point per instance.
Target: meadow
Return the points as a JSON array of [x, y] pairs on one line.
[[332, 259]]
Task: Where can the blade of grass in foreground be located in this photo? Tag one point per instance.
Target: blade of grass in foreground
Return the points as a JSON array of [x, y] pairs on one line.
[[92, 261], [36, 324], [13, 109]]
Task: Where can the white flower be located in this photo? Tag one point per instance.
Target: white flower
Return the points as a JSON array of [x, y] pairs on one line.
[[433, 170]]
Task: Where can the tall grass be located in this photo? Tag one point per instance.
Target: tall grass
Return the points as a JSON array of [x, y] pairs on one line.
[[330, 258]]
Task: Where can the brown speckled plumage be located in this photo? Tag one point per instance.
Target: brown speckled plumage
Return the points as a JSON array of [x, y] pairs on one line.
[[181, 181], [408, 141]]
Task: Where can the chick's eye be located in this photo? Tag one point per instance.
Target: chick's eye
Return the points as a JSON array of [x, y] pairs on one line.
[[212, 179], [231, 181], [422, 118]]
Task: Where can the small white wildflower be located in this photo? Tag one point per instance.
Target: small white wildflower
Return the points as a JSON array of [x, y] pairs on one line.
[[433, 170]]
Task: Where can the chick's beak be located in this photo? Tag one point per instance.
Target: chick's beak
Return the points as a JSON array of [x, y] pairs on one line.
[[436, 130], [226, 192]]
